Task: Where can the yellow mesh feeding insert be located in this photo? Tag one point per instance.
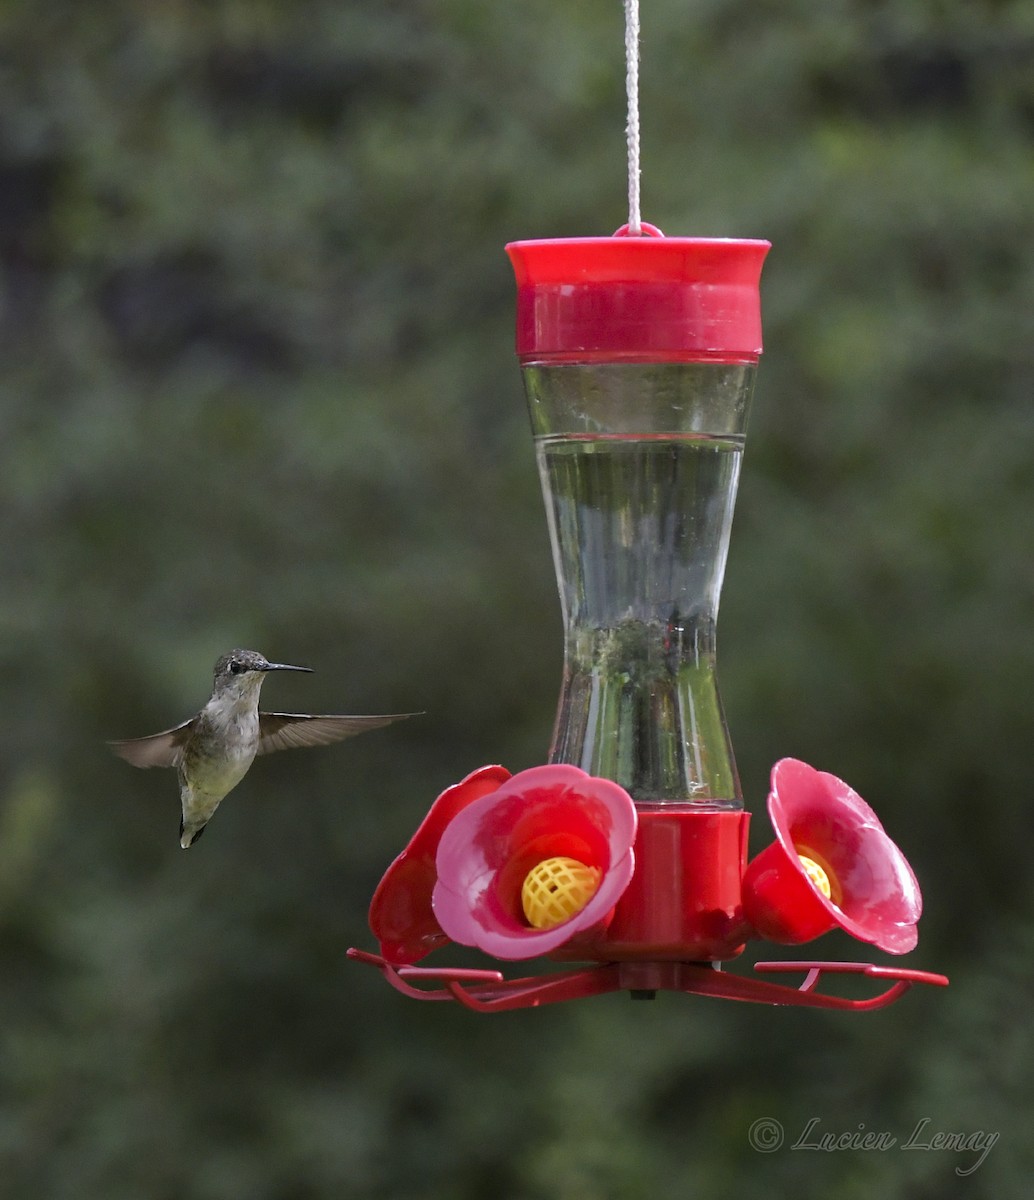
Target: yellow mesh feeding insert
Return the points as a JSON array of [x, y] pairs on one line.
[[817, 875], [557, 888]]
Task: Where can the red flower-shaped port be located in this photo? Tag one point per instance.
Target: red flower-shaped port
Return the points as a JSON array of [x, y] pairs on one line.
[[400, 913], [831, 865], [546, 820]]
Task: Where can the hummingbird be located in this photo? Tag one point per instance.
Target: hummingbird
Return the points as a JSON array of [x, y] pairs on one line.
[[214, 749]]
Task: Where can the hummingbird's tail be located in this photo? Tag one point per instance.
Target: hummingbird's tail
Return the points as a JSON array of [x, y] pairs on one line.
[[197, 808], [189, 834]]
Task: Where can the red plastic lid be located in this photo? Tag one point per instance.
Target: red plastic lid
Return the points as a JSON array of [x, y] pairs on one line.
[[645, 299]]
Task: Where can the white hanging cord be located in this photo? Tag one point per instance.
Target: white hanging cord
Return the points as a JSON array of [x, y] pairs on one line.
[[635, 227]]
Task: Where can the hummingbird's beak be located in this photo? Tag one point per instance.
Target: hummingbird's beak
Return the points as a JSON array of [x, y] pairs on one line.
[[285, 667]]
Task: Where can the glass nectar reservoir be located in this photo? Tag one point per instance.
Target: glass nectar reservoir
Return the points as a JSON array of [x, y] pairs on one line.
[[638, 357]]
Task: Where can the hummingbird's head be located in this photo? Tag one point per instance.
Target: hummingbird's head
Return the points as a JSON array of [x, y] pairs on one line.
[[241, 672]]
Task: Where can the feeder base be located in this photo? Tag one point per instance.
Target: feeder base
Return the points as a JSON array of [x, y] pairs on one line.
[[684, 901], [489, 991]]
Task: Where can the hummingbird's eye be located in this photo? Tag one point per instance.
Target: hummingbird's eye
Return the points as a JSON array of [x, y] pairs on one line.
[[236, 667]]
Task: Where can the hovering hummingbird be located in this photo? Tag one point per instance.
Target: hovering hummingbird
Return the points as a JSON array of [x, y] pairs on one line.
[[214, 749]]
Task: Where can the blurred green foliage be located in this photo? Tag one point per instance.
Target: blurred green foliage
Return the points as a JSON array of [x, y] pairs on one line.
[[257, 388]]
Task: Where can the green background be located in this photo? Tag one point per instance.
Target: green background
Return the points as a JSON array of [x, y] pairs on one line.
[[257, 388]]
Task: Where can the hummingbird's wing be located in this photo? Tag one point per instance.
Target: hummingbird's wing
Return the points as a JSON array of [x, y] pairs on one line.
[[159, 750], [285, 731]]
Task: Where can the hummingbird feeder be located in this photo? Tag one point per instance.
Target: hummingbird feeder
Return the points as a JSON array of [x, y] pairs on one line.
[[626, 854]]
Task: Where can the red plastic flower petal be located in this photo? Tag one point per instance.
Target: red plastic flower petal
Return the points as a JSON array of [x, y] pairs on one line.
[[875, 896], [489, 848], [401, 916]]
